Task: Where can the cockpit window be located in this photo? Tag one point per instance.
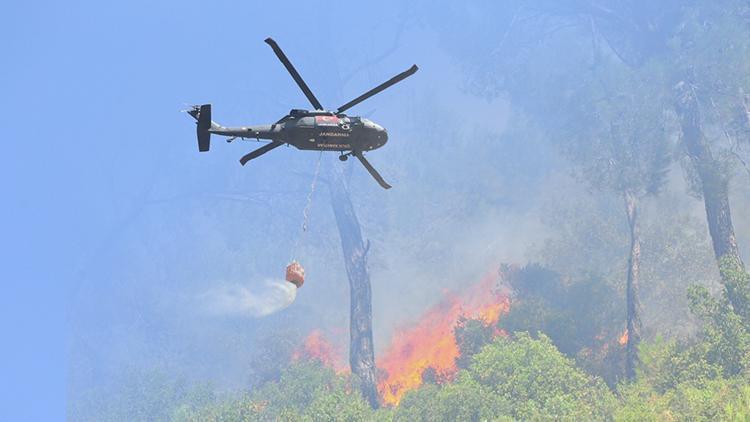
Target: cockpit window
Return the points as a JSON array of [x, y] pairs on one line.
[[370, 124], [306, 121]]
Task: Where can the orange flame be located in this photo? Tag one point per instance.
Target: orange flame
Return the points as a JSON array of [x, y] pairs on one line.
[[316, 347], [623, 340], [430, 342]]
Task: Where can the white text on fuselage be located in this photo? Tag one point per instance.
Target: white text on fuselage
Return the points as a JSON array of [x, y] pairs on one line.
[[341, 134], [336, 146]]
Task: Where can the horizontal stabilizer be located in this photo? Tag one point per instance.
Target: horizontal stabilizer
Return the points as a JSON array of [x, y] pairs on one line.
[[204, 124]]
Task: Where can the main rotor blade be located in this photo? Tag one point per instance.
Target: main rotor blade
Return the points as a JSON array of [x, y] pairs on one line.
[[260, 151], [297, 78], [394, 80], [374, 173]]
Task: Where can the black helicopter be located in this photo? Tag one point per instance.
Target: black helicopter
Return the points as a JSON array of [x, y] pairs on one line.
[[318, 130]]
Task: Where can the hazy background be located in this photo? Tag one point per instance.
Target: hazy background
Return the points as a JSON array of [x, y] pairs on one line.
[[117, 225]]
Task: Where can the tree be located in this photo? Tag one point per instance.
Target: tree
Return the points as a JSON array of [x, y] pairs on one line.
[[622, 147], [710, 55], [361, 349]]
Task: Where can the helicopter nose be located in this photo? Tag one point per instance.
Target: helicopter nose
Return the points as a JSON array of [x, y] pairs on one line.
[[376, 139], [382, 136]]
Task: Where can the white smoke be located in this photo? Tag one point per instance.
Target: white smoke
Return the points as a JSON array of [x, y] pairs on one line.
[[272, 296]]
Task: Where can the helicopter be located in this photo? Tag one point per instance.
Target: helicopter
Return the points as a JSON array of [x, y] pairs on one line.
[[316, 130]]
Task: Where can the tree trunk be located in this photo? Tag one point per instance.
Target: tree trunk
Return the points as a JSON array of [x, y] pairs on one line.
[[361, 350], [714, 182], [631, 288]]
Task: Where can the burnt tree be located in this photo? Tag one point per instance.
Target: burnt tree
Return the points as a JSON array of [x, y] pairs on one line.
[[361, 350]]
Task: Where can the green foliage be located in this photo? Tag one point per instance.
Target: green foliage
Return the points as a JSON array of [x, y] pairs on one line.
[[738, 409], [704, 379], [140, 396], [737, 287], [718, 399], [463, 400], [677, 382], [666, 364], [538, 380], [471, 335], [699, 380], [725, 338], [240, 408], [306, 391], [519, 378]]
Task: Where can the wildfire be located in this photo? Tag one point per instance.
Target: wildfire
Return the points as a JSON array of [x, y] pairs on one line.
[[430, 342], [316, 347], [623, 340]]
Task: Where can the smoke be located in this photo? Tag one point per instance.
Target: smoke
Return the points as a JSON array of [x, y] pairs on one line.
[[235, 300]]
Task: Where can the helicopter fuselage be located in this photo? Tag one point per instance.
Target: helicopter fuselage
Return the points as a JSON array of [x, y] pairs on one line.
[[316, 130], [313, 130]]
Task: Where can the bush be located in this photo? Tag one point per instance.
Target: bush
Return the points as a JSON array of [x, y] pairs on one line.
[[306, 391], [519, 378]]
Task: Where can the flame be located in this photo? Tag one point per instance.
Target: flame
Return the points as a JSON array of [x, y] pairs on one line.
[[623, 340], [491, 314], [430, 341], [316, 347]]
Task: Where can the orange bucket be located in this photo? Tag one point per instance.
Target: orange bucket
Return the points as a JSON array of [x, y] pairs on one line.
[[295, 274]]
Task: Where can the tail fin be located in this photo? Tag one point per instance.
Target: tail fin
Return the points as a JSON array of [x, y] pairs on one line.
[[203, 115]]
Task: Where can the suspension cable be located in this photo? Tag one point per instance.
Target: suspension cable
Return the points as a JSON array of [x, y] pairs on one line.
[[306, 209]]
